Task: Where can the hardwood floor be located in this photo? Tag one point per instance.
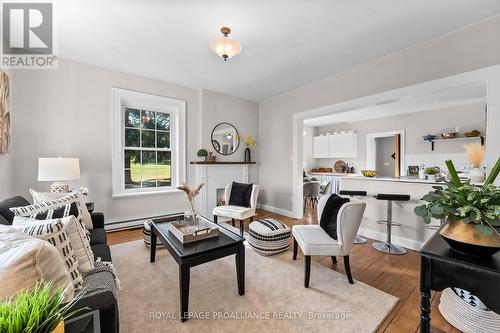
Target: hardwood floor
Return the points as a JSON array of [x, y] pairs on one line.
[[396, 275]]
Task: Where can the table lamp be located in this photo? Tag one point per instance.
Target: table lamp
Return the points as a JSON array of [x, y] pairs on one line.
[[59, 170]]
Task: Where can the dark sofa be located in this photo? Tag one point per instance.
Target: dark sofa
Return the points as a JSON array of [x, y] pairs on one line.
[[105, 300]]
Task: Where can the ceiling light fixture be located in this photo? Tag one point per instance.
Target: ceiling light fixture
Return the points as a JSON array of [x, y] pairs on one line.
[[224, 46]]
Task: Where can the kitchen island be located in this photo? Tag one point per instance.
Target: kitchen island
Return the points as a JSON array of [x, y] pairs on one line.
[[412, 233]]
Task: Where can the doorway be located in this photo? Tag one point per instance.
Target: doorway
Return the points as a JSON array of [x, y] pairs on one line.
[[385, 152]]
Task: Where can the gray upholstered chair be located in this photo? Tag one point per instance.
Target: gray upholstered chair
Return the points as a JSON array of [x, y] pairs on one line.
[[325, 187], [310, 193], [314, 241]]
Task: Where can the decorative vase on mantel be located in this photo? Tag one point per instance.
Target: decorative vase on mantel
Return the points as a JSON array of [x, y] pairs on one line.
[[248, 155]]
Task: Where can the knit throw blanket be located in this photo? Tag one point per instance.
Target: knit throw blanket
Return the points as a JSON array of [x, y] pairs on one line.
[[100, 279]]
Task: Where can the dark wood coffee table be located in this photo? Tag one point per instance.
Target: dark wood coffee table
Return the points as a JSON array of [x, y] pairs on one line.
[[197, 253]]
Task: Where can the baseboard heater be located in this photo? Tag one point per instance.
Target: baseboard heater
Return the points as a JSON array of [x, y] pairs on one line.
[[132, 223]]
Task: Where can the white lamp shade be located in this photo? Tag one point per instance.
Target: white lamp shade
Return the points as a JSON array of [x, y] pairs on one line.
[[58, 169], [225, 46]]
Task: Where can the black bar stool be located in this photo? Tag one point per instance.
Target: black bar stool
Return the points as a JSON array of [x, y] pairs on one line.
[[358, 239], [387, 246]]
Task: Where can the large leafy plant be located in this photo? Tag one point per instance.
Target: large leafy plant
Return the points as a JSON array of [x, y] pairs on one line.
[[38, 310], [455, 201]]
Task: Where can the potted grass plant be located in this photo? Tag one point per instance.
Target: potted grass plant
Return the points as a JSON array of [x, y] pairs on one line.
[[472, 213], [40, 310]]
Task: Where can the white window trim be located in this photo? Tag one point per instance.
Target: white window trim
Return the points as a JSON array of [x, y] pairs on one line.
[[177, 109]]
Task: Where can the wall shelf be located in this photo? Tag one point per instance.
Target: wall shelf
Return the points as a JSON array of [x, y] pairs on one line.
[[219, 163], [482, 138]]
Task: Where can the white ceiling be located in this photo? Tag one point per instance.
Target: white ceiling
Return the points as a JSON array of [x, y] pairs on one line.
[[285, 43], [461, 95]]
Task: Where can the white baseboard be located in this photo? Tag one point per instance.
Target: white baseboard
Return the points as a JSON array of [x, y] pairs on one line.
[[124, 225], [276, 210], [397, 240]]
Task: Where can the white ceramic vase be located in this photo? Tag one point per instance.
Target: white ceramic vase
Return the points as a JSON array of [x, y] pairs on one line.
[[477, 175]]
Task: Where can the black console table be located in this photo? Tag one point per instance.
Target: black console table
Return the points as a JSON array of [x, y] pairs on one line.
[[441, 267]]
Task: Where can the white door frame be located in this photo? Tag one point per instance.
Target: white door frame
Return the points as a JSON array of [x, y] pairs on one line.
[[371, 149], [488, 75]]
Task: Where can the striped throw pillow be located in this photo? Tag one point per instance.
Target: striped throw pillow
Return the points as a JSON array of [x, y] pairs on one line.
[[77, 238], [54, 232], [79, 235]]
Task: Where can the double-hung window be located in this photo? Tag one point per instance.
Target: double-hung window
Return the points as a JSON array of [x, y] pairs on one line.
[[148, 143]]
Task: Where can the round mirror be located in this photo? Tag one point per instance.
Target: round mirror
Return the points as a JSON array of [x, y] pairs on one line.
[[225, 139]]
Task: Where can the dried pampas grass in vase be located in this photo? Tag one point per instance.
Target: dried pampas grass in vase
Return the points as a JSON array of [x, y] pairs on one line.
[[191, 216], [475, 153]]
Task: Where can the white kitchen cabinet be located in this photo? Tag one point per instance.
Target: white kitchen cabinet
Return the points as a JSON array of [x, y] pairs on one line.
[[320, 146], [335, 146]]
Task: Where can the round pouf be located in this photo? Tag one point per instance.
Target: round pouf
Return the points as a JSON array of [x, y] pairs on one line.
[[146, 234], [269, 236]]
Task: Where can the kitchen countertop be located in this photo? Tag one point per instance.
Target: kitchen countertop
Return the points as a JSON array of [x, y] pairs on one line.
[[402, 180], [342, 174]]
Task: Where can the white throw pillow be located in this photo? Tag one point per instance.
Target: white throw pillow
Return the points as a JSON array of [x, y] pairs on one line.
[[25, 260], [78, 239], [55, 233], [49, 196]]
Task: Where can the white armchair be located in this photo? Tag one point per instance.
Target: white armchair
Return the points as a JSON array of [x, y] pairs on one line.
[[314, 241], [237, 212]]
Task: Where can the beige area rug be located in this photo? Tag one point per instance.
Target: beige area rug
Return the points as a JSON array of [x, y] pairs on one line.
[[275, 299]]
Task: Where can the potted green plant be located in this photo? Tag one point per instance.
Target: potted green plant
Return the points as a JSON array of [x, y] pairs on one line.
[[472, 213], [202, 154], [432, 172], [40, 310]]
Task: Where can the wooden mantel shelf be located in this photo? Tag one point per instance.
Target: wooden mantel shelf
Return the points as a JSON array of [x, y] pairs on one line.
[[219, 163]]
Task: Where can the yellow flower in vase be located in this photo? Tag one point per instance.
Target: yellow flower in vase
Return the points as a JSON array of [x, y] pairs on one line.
[[250, 143]]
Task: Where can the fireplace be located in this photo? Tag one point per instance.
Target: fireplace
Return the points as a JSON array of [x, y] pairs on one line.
[[219, 196], [216, 176]]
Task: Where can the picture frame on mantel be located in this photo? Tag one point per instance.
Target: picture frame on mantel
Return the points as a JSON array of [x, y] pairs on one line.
[[4, 113]]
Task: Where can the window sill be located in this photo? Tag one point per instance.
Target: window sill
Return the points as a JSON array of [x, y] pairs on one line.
[[135, 194]]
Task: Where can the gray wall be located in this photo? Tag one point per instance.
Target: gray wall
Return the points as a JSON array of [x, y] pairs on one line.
[[465, 50], [308, 147], [467, 117], [67, 112], [242, 114], [5, 175]]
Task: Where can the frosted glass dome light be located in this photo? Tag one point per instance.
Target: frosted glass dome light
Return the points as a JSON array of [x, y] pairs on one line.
[[224, 46]]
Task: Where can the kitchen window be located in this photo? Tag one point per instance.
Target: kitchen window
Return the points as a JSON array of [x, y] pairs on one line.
[[148, 143]]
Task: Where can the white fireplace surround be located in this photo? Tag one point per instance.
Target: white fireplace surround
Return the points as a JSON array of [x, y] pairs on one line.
[[217, 176]]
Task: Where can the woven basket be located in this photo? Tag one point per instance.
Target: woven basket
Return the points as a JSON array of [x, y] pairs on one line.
[[467, 318]]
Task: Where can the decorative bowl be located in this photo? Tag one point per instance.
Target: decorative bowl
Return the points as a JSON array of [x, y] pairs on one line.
[[472, 134], [369, 173], [449, 135]]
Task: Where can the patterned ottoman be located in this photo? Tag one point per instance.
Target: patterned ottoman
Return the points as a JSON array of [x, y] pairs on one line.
[[146, 234], [269, 236]]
